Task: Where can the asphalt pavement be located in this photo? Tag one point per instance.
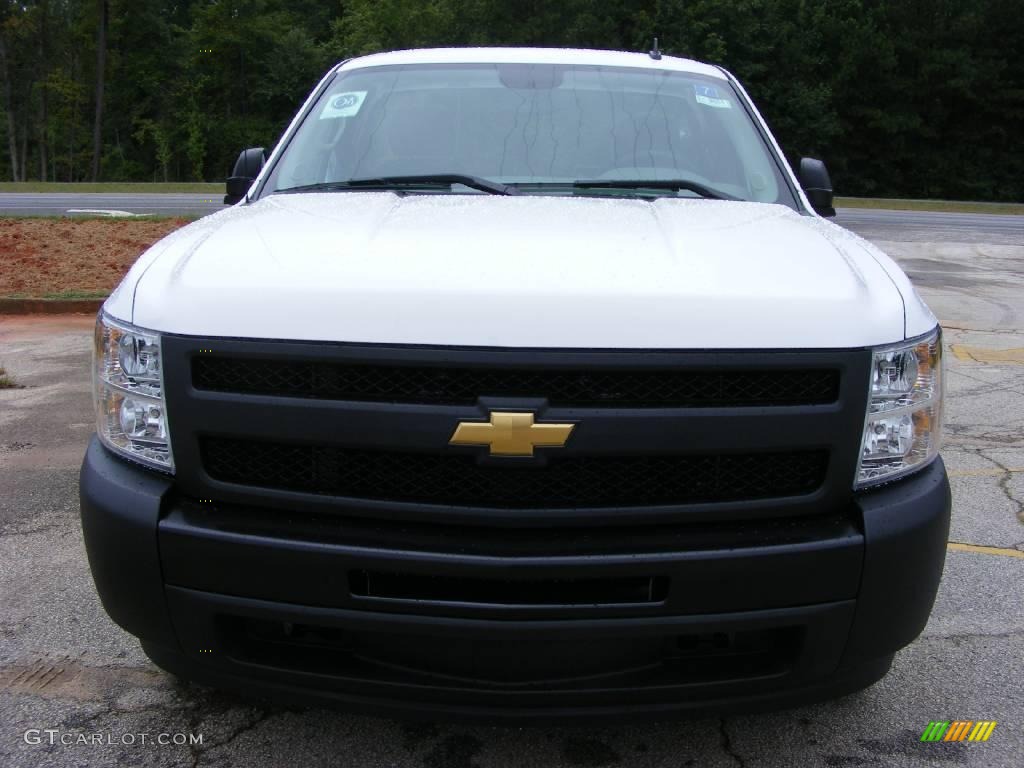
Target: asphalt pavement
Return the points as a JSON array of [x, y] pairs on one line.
[[64, 203], [907, 226], [67, 673], [932, 226]]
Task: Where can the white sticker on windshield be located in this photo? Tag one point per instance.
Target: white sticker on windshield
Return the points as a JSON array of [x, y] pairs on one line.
[[708, 95], [343, 105]]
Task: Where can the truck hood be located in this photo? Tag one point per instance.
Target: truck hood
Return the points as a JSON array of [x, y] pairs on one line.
[[523, 271]]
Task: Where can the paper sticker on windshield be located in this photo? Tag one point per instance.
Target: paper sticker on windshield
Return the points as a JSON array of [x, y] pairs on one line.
[[708, 95], [343, 104]]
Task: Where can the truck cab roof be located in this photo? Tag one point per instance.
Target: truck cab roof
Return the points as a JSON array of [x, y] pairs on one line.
[[542, 56]]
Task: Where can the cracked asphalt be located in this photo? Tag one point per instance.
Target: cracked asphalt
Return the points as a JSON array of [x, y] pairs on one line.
[[65, 666]]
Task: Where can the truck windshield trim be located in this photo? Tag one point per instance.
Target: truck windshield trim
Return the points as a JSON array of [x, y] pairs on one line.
[[448, 180]]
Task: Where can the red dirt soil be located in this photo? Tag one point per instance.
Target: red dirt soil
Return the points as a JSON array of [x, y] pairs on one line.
[[47, 256]]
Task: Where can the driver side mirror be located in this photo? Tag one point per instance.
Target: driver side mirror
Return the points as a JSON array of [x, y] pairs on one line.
[[817, 185], [247, 168]]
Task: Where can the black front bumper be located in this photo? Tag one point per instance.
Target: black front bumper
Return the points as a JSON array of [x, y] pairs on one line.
[[408, 620]]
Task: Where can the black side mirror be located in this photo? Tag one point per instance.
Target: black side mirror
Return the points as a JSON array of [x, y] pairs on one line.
[[817, 185], [247, 168]]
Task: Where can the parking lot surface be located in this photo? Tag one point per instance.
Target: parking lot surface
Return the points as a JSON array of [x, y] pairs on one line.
[[67, 672]]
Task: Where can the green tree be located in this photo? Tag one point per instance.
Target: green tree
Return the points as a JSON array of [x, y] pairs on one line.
[[921, 98]]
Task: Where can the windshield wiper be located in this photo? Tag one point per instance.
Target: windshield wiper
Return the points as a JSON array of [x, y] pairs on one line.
[[398, 182], [674, 185]]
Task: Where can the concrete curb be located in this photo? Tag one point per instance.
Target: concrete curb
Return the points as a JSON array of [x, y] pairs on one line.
[[49, 306]]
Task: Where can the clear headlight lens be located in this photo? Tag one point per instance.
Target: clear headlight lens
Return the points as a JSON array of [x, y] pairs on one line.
[[903, 425], [131, 417]]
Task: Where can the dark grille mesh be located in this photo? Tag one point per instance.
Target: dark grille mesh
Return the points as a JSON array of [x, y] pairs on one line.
[[595, 387], [457, 480]]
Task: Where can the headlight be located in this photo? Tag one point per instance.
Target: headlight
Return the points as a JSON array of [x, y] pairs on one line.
[[131, 416], [903, 424]]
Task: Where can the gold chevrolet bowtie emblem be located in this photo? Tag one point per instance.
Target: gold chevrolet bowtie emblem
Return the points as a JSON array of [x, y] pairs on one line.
[[511, 434]]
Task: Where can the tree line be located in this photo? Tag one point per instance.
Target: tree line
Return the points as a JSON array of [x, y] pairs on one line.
[[912, 98]]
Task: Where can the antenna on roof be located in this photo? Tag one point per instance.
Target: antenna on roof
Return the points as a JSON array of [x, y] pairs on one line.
[[654, 53]]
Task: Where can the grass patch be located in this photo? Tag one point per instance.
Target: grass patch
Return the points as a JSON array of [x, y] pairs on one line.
[[200, 188], [74, 294], [943, 206], [6, 382], [79, 218]]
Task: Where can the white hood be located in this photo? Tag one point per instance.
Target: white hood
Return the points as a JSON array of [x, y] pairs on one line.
[[525, 271]]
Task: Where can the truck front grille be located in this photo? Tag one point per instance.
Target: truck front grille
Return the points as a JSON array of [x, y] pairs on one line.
[[563, 483], [653, 388], [661, 436]]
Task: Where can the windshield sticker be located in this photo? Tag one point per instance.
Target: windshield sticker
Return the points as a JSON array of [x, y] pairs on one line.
[[343, 105], [708, 95]]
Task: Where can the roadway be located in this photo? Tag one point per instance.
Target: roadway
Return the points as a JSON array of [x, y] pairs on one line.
[[154, 204], [932, 226], [902, 226]]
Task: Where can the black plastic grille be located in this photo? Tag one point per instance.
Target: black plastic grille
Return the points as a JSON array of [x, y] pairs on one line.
[[564, 483], [537, 662], [563, 387]]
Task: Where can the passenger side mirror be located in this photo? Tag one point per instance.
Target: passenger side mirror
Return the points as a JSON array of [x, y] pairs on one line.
[[817, 185], [247, 168]]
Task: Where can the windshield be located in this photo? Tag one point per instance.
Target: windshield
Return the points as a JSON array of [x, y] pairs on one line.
[[553, 129]]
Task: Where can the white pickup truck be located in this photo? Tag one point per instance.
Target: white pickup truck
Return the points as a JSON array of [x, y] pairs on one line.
[[520, 384]]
